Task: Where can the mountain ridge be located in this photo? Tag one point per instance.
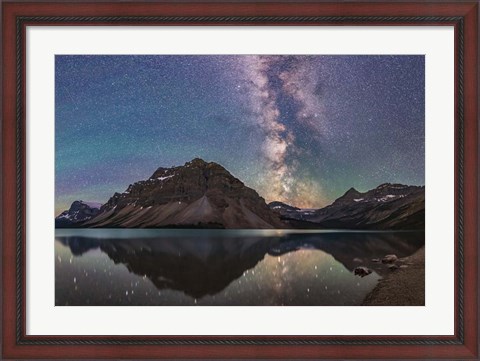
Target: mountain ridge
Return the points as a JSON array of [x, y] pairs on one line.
[[388, 206], [203, 194]]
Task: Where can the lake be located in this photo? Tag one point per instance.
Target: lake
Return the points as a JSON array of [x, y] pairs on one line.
[[221, 267]]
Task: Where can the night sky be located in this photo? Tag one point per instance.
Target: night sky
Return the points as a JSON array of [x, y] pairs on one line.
[[299, 129]]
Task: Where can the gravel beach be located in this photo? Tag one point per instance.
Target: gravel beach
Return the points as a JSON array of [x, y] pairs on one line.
[[405, 286]]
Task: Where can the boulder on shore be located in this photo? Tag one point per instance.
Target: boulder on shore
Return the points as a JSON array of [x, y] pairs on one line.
[[389, 258], [362, 271], [392, 267]]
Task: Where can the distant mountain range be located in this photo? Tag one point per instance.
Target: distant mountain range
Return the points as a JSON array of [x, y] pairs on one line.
[[205, 195], [389, 206]]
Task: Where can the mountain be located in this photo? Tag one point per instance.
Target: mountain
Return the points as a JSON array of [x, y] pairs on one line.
[[389, 206], [293, 217], [351, 195], [197, 194], [283, 209], [78, 213]]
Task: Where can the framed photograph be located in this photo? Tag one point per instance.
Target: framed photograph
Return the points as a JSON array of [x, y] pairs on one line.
[[240, 180]]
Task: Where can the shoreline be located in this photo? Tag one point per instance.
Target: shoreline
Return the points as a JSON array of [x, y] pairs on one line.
[[403, 287]]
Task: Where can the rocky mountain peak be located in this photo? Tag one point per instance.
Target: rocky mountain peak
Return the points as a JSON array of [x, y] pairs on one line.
[[81, 205], [79, 211], [349, 195], [391, 191], [198, 192], [351, 191], [197, 162]]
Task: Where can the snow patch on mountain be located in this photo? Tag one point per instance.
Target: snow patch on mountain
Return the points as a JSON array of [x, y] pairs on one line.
[[163, 178]]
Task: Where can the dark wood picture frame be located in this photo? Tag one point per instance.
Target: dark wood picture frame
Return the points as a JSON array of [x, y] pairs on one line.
[[17, 15]]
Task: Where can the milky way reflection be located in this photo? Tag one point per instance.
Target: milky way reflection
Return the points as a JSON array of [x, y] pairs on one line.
[[221, 267]]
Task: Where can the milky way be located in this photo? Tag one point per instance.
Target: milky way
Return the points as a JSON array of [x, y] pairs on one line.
[[299, 129]]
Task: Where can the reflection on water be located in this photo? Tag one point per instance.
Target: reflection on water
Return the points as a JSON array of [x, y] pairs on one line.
[[221, 267]]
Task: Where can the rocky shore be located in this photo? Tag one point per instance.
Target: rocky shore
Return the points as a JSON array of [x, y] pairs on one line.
[[404, 286]]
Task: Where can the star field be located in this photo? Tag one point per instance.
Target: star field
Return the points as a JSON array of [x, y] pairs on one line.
[[299, 129]]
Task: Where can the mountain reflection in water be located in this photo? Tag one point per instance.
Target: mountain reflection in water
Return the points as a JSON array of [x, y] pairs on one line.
[[221, 267]]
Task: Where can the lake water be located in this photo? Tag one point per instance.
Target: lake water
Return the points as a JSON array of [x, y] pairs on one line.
[[221, 267]]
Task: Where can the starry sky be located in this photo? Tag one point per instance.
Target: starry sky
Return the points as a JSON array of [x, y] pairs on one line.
[[299, 129]]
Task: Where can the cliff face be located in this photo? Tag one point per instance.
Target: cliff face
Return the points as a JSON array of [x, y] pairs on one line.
[[198, 194]]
